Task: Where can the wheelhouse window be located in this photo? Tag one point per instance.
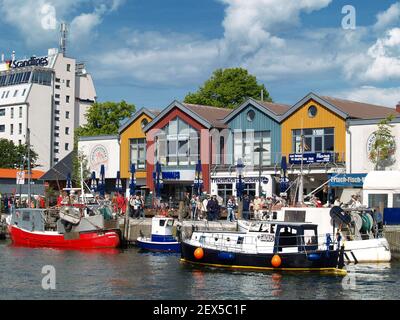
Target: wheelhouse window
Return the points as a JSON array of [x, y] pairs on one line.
[[178, 144], [315, 140], [138, 153]]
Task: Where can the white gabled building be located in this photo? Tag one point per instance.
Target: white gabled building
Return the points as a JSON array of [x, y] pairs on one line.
[[49, 95]]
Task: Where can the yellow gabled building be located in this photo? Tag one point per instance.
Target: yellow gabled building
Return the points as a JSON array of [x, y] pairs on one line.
[[133, 146], [317, 126]]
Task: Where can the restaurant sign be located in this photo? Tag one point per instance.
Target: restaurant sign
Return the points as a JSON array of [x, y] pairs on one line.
[[310, 158], [347, 180]]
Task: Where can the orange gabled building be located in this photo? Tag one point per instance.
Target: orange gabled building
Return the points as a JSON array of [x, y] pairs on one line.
[[133, 145]]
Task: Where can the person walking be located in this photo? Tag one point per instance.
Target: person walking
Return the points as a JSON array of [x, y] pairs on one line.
[[132, 200]]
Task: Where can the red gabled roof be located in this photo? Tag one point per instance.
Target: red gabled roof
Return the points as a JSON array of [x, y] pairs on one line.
[[12, 174]]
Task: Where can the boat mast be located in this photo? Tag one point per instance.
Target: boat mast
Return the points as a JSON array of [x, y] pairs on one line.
[[28, 142], [301, 187], [80, 158]]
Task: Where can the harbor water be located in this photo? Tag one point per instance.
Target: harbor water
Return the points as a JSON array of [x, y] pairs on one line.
[[132, 275]]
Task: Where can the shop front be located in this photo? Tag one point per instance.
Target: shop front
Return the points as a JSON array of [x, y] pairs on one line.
[[224, 184]]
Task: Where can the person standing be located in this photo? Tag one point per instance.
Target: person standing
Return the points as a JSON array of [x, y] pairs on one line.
[[6, 204], [193, 207], [132, 206], [231, 210], [246, 207], [142, 204], [186, 202], [204, 208], [257, 207]]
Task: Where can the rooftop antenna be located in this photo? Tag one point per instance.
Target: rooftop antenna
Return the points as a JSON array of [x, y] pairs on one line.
[[63, 38], [13, 56], [262, 95]]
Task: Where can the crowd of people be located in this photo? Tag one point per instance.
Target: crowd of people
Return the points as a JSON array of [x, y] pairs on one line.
[[9, 202]]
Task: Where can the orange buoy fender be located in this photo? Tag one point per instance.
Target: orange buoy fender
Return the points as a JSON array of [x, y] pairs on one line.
[[276, 261], [199, 254]]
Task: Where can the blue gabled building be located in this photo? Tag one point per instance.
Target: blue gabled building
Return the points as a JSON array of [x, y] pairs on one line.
[[253, 134]]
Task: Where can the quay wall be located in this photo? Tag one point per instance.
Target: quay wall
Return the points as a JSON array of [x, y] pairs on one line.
[[392, 234]]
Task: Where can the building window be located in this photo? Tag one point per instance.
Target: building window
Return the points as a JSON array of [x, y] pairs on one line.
[[57, 112], [67, 98], [8, 93], [15, 93], [23, 93], [248, 146], [312, 111], [67, 131], [57, 119], [178, 144], [56, 135], [20, 112], [67, 147], [2, 112], [12, 113], [144, 123], [225, 191], [68, 83], [19, 142], [57, 103], [2, 128], [67, 115], [56, 151], [20, 128], [250, 189], [138, 153], [251, 115], [315, 140], [11, 129], [68, 67], [56, 160], [396, 200], [56, 144], [58, 80], [58, 87], [3, 95], [57, 96]]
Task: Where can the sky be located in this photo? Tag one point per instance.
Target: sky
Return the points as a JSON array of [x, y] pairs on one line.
[[151, 52]]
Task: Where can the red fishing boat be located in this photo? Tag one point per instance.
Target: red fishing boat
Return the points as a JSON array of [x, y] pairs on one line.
[[74, 229]]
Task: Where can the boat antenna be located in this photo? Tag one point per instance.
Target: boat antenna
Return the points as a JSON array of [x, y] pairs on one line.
[[80, 158]]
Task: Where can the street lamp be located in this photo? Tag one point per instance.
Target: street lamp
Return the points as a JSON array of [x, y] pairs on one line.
[[239, 186], [260, 150]]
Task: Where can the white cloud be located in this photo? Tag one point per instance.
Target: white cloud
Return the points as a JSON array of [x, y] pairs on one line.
[[38, 20], [388, 97], [384, 57], [389, 17]]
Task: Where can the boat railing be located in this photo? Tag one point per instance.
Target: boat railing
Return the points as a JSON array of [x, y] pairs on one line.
[[259, 243]]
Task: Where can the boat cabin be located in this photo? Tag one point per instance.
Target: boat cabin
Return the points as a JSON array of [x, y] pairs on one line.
[[266, 237], [29, 219], [162, 229]]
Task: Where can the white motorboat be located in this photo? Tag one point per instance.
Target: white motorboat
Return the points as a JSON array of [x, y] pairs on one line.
[[359, 230]]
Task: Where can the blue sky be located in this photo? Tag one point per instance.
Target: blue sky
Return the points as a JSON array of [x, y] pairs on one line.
[[152, 52]]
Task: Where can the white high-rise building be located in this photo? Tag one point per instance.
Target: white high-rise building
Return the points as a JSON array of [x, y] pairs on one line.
[[50, 95]]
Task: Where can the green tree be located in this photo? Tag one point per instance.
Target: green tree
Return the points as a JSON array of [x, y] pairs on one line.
[[384, 146], [105, 118], [13, 156], [228, 88]]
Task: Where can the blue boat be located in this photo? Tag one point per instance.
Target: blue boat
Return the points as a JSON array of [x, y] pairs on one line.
[[162, 239]]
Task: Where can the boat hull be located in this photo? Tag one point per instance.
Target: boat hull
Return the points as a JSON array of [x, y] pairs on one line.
[[327, 262], [81, 241], [148, 245]]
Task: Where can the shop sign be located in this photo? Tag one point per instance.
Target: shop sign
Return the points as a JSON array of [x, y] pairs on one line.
[[247, 180], [347, 180], [310, 158], [169, 175], [33, 61]]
